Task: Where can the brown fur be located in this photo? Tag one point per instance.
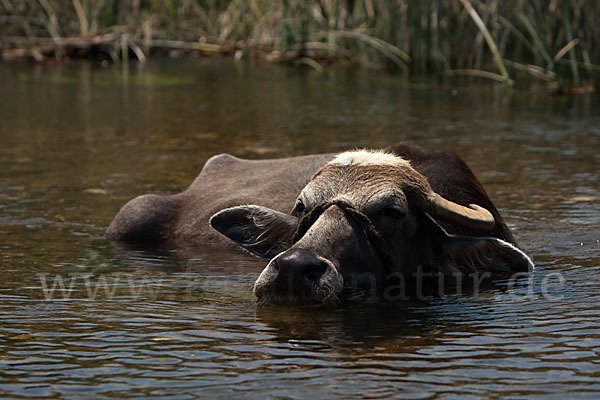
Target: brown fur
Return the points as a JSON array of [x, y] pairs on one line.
[[227, 181]]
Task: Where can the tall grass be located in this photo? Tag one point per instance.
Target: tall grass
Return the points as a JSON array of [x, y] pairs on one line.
[[555, 40]]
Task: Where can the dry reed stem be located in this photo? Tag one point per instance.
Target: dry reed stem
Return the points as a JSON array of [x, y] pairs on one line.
[[490, 42], [83, 22]]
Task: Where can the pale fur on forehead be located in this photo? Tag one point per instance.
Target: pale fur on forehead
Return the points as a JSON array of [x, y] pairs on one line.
[[369, 157]]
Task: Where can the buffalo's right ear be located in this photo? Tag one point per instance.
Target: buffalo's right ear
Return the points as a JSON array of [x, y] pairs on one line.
[[260, 230]]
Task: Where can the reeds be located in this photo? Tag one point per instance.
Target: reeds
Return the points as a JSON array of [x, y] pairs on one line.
[[554, 40]]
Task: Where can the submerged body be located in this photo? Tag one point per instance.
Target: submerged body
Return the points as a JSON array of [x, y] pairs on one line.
[[330, 222]]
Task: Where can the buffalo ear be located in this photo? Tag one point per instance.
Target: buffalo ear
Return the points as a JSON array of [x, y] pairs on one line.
[[467, 254], [260, 230]]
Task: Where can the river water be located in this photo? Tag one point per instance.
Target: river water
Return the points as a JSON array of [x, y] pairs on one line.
[[81, 319]]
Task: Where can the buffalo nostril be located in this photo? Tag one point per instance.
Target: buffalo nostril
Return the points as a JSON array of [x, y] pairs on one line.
[[313, 274], [298, 270]]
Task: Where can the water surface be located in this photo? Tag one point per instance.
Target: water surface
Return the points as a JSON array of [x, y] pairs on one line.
[[79, 140]]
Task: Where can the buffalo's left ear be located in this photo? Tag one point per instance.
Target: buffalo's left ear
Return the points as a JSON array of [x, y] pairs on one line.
[[260, 230], [467, 254]]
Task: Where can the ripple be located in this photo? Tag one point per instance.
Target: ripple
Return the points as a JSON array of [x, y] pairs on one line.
[[174, 324]]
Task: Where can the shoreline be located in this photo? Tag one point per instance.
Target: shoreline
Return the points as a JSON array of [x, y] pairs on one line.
[[118, 46]]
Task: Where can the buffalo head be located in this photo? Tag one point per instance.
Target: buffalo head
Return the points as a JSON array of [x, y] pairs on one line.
[[363, 218]]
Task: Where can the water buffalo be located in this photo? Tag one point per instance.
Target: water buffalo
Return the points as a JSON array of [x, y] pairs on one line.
[[330, 222]]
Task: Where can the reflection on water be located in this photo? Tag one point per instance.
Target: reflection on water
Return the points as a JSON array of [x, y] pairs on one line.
[[80, 319]]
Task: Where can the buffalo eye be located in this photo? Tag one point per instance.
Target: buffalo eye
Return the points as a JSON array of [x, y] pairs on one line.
[[388, 218], [299, 209], [392, 213]]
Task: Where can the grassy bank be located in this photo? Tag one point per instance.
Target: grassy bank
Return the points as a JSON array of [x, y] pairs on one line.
[[553, 40]]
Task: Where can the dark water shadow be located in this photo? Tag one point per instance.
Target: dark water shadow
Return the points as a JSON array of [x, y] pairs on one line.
[[354, 325]]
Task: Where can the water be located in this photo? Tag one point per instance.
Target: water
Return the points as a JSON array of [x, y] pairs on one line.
[[79, 140]]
